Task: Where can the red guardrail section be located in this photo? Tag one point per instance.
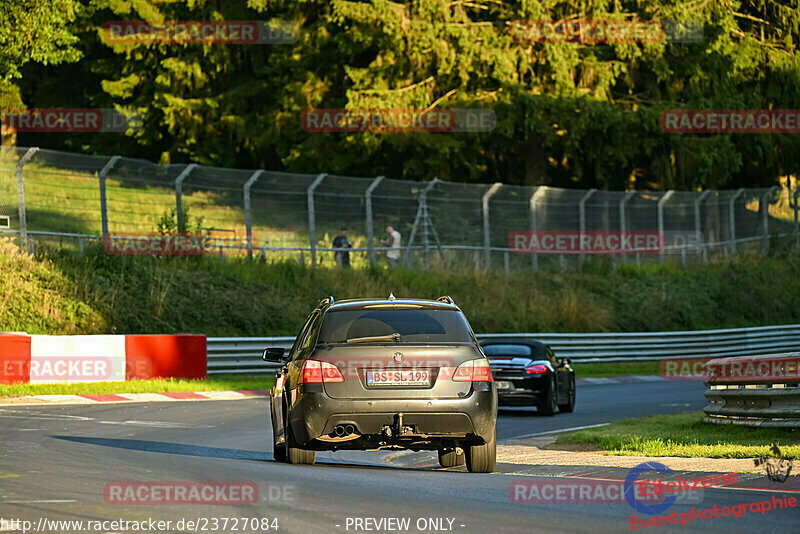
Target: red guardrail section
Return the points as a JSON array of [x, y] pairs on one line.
[[15, 359], [146, 356], [165, 356]]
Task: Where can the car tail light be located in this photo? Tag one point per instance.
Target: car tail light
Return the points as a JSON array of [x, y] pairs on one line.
[[312, 372], [473, 371], [316, 372], [463, 372], [537, 369], [331, 373], [481, 372]]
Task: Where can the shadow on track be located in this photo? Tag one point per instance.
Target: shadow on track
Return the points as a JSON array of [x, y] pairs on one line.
[[214, 452], [172, 448]]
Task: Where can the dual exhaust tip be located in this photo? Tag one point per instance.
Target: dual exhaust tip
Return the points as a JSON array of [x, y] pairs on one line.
[[341, 431]]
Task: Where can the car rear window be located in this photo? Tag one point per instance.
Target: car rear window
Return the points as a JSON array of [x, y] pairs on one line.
[[413, 325], [507, 350]]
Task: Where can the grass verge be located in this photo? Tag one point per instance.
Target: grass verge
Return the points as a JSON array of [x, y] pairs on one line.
[[685, 435], [95, 293], [163, 385]]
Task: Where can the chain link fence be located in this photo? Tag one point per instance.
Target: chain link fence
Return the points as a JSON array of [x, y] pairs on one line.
[[68, 200]]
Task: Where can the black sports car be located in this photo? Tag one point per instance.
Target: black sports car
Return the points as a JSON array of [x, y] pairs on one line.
[[527, 373]]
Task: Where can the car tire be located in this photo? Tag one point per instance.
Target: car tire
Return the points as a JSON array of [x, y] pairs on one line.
[[294, 454], [547, 406], [569, 406], [482, 458], [278, 450], [449, 458]]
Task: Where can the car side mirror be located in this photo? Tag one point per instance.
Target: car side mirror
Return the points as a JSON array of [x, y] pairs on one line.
[[273, 354]]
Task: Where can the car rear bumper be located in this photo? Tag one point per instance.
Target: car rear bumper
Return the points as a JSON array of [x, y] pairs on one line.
[[523, 391], [315, 415]]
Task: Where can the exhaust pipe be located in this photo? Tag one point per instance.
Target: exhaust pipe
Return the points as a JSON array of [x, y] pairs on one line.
[[341, 431]]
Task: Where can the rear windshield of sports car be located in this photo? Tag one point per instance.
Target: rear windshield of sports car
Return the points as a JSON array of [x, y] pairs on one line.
[[394, 326]]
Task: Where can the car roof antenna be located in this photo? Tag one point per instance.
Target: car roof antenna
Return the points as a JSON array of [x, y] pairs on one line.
[[391, 296]]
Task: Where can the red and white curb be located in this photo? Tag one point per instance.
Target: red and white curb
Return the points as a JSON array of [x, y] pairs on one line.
[[135, 397], [637, 379]]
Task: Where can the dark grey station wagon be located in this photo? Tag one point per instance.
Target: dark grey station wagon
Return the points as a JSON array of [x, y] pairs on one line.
[[373, 374]]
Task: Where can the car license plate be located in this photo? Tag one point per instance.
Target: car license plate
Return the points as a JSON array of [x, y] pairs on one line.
[[414, 377], [503, 384]]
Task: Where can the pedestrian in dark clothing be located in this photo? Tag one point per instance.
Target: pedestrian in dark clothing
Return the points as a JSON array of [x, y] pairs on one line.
[[342, 256]]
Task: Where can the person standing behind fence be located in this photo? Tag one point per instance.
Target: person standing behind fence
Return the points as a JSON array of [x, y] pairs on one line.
[[393, 241], [342, 256]]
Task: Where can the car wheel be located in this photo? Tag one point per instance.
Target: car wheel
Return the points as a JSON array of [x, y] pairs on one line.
[[278, 450], [570, 404], [449, 458], [482, 458], [547, 406], [294, 454]]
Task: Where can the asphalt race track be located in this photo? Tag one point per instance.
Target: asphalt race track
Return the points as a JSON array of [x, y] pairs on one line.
[[55, 463]]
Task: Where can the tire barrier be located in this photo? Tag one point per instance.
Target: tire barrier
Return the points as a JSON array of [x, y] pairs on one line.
[[754, 391], [35, 359]]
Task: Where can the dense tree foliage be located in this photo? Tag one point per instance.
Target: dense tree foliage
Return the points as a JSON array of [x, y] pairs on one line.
[[568, 113]]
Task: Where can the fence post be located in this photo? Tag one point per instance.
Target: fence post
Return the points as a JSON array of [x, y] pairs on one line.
[[622, 223], [486, 229], [179, 194], [732, 219], [534, 198], [697, 223], [764, 204], [661, 202], [103, 204], [23, 221], [370, 227], [582, 217], [312, 231], [248, 219]]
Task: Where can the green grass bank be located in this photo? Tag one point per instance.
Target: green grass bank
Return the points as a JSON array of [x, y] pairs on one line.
[[68, 293]]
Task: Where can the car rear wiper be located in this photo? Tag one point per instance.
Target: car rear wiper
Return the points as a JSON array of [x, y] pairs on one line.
[[388, 337]]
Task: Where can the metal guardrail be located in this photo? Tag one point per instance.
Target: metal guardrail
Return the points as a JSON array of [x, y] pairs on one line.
[[754, 391], [242, 354]]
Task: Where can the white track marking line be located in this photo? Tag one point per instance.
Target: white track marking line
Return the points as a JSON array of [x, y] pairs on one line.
[[554, 432], [57, 398], [60, 417], [158, 397], [222, 395], [40, 501]]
